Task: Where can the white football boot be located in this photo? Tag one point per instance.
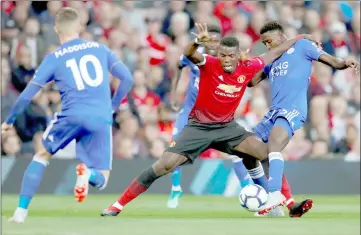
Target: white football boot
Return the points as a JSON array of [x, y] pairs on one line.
[[275, 199], [81, 187], [276, 212], [19, 216]]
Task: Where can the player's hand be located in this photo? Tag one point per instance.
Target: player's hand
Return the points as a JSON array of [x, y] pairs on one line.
[[351, 63], [313, 39], [175, 103], [243, 55], [203, 35], [5, 128]]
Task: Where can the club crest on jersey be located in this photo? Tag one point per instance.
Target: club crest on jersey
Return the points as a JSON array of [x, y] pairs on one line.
[[172, 144], [291, 50], [230, 89], [241, 79]]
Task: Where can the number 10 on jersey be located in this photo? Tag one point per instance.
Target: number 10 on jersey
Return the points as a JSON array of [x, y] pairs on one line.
[[81, 74]]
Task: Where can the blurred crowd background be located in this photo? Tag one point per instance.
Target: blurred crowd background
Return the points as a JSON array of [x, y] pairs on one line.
[[149, 38]]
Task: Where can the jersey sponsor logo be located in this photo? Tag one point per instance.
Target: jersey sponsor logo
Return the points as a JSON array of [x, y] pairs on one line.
[[241, 79], [279, 70], [228, 90]]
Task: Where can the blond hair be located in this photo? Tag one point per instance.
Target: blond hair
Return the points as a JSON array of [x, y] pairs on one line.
[[67, 21]]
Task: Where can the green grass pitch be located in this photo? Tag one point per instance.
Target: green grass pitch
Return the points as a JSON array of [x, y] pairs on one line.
[[197, 215]]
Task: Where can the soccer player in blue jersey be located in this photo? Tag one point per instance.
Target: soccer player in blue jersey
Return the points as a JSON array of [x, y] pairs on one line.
[[289, 77], [210, 48], [80, 70]]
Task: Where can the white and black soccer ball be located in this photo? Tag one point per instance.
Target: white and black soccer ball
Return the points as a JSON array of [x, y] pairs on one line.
[[253, 197]]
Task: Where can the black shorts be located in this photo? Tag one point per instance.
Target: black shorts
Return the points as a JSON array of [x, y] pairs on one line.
[[196, 138]]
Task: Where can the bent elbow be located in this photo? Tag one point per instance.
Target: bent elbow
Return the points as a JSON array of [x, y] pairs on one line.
[[129, 81]]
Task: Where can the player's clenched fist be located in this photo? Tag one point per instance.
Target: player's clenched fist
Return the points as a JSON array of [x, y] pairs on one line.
[[203, 35], [351, 63], [5, 127]]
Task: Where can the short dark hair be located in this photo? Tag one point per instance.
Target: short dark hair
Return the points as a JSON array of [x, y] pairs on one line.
[[230, 42], [271, 26], [214, 29]]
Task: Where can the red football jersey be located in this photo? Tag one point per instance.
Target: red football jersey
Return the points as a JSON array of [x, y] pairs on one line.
[[219, 92]]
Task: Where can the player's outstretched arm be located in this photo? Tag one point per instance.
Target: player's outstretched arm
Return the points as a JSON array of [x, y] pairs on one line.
[[191, 50], [273, 54], [43, 75], [338, 63], [23, 101], [257, 78]]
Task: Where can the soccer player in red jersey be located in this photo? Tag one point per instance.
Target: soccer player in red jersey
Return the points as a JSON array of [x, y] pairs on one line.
[[223, 80]]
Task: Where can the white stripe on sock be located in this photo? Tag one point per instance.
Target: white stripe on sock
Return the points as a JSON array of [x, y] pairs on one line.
[[176, 188], [102, 187], [118, 206], [235, 158], [289, 201], [275, 156], [41, 160], [257, 172]]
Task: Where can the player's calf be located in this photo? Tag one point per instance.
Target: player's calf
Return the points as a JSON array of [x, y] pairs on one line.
[[277, 141], [256, 173], [241, 171], [251, 149], [30, 184], [141, 184]]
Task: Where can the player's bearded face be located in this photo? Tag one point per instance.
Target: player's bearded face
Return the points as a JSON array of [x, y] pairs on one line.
[[229, 58]]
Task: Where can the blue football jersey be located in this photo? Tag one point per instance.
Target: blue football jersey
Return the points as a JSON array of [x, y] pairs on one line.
[[80, 70], [193, 86], [289, 76]]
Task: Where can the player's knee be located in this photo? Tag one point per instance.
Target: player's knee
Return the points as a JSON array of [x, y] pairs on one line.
[[168, 162], [280, 135], [43, 154]]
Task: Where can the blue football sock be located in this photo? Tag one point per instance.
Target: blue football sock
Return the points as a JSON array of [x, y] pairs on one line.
[[96, 178], [176, 178], [276, 166], [31, 181], [241, 172], [258, 177]]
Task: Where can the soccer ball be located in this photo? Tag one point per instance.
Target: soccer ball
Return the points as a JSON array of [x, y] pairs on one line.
[[253, 197]]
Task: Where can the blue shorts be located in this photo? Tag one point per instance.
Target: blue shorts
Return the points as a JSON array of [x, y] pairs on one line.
[[181, 121], [291, 120], [93, 140]]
